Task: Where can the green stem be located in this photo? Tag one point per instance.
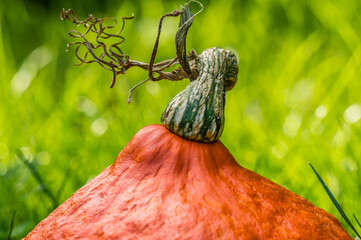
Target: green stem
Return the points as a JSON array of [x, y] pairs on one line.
[[197, 113]]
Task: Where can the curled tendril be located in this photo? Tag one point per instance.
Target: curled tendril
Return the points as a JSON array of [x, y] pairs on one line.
[[112, 57]]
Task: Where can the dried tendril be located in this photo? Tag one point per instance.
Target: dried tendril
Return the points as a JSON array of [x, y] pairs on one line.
[[112, 58]]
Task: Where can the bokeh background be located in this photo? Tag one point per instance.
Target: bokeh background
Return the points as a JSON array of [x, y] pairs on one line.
[[297, 99]]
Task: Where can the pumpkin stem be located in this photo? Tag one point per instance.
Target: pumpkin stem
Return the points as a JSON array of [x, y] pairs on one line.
[[197, 113]]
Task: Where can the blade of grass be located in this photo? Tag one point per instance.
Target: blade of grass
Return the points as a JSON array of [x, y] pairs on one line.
[[333, 199], [11, 225], [357, 220], [38, 177]]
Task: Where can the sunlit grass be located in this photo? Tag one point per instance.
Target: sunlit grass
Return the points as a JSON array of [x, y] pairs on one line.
[[297, 98], [337, 205]]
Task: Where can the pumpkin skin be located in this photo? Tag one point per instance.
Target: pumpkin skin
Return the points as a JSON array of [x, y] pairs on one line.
[[162, 186]]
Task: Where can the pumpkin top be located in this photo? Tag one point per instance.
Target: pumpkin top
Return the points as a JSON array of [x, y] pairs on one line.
[[162, 186], [197, 113]]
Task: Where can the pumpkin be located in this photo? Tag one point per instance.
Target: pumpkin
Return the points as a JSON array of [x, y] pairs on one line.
[[178, 181]]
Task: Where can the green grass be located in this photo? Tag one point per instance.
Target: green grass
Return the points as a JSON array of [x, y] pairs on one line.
[[337, 205], [297, 99]]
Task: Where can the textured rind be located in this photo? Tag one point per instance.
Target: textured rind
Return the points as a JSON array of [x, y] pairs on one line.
[[197, 113], [162, 186]]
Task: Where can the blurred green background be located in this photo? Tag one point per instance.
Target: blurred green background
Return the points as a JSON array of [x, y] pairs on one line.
[[297, 97]]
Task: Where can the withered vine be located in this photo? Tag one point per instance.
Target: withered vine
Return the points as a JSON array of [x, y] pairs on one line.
[[114, 59]]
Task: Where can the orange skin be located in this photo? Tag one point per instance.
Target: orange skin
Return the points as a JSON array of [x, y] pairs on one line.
[[162, 186]]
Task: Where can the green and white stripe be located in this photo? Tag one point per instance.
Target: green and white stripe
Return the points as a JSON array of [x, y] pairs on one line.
[[197, 113]]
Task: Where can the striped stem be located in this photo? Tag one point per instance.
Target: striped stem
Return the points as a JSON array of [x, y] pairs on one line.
[[197, 113]]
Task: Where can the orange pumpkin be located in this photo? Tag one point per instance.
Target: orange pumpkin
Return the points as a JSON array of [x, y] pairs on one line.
[[178, 181], [162, 186]]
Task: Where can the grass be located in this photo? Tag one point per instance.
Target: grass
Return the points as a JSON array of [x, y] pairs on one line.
[[296, 100], [11, 225], [337, 205]]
